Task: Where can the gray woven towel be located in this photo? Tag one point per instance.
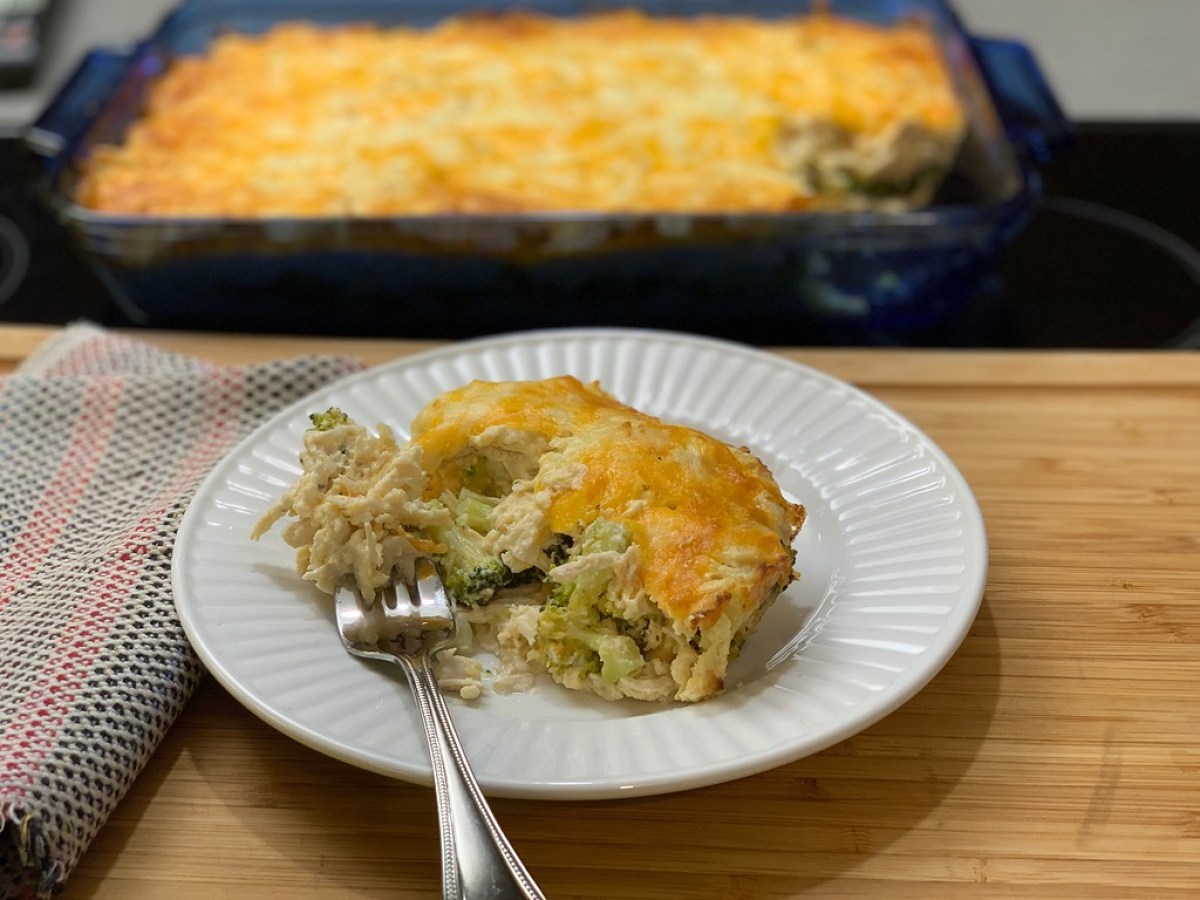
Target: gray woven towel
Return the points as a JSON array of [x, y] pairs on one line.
[[103, 441]]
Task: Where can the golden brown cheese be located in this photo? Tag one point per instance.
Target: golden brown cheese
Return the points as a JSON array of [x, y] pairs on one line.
[[712, 530], [623, 555], [518, 112]]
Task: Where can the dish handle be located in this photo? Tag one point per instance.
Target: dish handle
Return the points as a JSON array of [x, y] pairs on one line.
[[67, 118], [1028, 109]]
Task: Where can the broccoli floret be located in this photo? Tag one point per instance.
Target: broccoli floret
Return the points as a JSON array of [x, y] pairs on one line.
[[329, 419], [585, 591], [469, 572], [473, 510], [619, 655], [599, 648], [571, 625], [560, 594], [602, 535]]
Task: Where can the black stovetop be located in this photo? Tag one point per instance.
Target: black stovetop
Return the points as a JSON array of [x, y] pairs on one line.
[[1111, 259]]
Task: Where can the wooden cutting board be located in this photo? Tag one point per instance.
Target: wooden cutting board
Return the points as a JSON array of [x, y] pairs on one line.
[[1056, 755]]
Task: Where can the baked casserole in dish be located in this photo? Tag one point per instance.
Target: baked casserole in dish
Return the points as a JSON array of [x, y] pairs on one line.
[[517, 112], [445, 168]]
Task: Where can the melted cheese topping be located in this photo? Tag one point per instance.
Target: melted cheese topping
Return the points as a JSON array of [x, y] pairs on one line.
[[711, 527], [518, 112]]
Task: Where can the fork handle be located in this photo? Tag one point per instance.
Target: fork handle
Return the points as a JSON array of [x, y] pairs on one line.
[[487, 866]]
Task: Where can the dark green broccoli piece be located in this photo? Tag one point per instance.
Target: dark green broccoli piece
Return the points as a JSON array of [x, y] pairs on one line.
[[559, 549], [329, 419], [470, 574], [573, 629], [599, 536]]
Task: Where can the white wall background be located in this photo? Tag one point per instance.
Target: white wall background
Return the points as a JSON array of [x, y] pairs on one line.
[[1105, 59]]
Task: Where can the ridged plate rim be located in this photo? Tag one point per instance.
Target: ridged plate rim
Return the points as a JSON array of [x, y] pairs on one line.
[[884, 604]]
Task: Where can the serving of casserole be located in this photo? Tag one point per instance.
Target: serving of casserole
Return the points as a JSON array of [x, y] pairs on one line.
[[621, 554], [505, 112]]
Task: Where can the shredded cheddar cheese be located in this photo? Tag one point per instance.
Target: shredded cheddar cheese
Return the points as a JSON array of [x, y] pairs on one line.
[[621, 554], [518, 112]]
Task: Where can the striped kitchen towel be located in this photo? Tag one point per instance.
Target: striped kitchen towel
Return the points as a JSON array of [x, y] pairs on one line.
[[103, 440]]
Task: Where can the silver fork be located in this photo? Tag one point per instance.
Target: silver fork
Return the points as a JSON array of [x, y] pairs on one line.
[[408, 625]]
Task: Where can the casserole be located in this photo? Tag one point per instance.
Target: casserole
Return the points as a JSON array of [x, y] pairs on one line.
[[643, 553], [513, 112], [741, 274]]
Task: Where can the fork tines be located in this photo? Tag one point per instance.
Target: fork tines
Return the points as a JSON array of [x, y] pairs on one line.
[[428, 600], [400, 610]]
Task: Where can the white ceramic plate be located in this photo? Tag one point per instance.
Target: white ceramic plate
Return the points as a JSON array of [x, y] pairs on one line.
[[893, 557]]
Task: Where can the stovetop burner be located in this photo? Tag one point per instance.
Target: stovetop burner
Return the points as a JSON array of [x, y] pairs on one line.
[[1111, 260]]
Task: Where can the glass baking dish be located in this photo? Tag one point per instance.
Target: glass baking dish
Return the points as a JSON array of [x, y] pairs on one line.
[[759, 277]]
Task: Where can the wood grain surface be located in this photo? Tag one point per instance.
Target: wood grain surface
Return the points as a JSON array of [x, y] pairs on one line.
[[1056, 755]]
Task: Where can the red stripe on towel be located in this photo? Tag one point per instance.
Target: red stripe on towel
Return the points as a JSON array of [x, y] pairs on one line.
[[100, 602], [52, 513]]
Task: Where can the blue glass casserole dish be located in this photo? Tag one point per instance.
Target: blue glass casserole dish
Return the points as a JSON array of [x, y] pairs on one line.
[[760, 277]]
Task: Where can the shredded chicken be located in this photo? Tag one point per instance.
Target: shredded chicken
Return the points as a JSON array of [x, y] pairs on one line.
[[356, 508]]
